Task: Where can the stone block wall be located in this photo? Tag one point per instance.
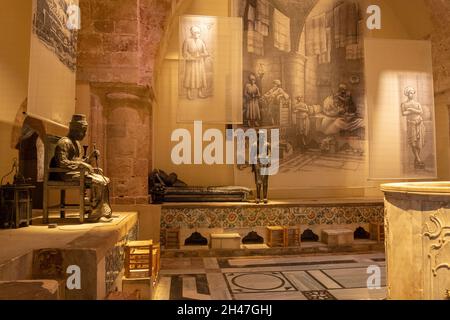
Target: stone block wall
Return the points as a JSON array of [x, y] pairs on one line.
[[440, 38], [123, 134], [119, 39], [118, 44], [108, 41]]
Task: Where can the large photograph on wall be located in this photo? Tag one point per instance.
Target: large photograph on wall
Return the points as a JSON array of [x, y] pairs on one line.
[[304, 75], [210, 65], [53, 60], [50, 23], [402, 140]]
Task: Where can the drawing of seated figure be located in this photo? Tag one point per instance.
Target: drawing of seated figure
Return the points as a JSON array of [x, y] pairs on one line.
[[339, 114]]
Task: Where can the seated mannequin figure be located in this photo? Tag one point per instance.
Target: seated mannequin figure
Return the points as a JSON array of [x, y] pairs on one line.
[[68, 156]]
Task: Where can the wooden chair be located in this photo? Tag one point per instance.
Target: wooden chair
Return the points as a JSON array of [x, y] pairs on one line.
[[61, 186]]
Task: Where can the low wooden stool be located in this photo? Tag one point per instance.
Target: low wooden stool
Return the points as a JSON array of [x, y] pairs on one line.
[[275, 236], [142, 260], [142, 266], [173, 238], [377, 231], [292, 236]]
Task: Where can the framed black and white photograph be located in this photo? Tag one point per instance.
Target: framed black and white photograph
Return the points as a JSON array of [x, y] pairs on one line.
[[209, 69], [402, 141], [51, 25], [304, 75]]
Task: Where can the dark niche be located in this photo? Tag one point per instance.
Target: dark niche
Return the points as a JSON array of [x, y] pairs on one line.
[[253, 238], [196, 239], [361, 233], [309, 236]]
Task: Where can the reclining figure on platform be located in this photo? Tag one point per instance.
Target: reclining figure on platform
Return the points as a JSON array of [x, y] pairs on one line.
[[68, 155], [168, 188]]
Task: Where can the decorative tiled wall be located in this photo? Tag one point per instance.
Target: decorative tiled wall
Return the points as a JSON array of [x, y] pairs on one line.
[[245, 217], [115, 258]]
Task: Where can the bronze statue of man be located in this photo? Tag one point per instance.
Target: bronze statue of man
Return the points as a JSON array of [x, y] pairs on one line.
[[68, 155], [261, 154]]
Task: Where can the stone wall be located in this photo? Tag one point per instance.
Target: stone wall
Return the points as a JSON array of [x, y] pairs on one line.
[[119, 39], [122, 131], [440, 38], [118, 43]]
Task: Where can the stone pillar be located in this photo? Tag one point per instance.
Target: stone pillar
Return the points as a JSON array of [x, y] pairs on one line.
[[128, 146], [311, 91], [294, 74]]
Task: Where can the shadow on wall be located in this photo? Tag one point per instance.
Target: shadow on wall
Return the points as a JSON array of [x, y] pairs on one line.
[[10, 133], [7, 153]]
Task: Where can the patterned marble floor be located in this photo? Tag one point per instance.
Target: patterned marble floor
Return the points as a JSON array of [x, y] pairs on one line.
[[329, 277]]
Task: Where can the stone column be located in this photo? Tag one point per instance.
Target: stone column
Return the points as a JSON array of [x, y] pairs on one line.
[[128, 145]]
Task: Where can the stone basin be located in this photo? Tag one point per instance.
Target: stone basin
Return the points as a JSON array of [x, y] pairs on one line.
[[417, 229], [441, 187]]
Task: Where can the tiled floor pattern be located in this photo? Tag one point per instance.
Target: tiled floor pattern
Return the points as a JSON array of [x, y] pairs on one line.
[[329, 277]]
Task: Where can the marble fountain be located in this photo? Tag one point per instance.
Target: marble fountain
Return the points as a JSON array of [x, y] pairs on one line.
[[417, 228]]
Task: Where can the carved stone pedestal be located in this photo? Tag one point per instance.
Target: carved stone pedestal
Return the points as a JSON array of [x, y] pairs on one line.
[[417, 230]]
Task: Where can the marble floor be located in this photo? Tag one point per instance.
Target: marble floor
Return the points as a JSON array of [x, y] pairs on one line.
[[327, 277]]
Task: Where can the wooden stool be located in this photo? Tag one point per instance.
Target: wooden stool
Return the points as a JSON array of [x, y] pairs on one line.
[[142, 260], [291, 236], [173, 238], [377, 231], [275, 236]]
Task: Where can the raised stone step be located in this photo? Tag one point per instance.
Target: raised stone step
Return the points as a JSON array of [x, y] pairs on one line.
[[225, 241], [338, 237], [30, 290]]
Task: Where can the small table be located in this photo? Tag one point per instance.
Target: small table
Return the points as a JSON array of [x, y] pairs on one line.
[[16, 205]]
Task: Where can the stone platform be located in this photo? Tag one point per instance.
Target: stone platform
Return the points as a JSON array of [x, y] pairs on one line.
[[242, 218], [306, 248], [38, 253]]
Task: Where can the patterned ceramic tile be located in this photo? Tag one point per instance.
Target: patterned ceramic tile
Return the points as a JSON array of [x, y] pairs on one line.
[[115, 258], [250, 217], [318, 295]]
